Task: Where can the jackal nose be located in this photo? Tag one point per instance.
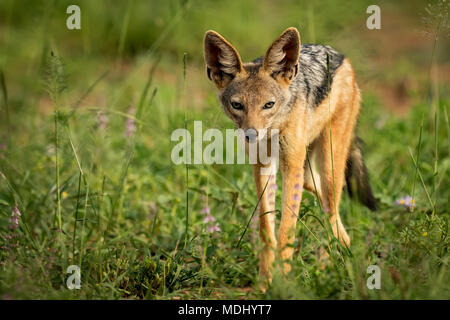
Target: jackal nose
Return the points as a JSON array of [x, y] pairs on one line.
[[251, 134]]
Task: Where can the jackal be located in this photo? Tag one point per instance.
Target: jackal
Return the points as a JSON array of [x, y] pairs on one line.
[[309, 94]]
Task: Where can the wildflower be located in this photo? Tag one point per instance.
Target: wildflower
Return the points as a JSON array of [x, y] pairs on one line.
[[102, 120], [14, 219], [130, 125], [13, 224], [407, 202], [214, 228], [206, 210], [209, 218], [425, 234], [64, 194]]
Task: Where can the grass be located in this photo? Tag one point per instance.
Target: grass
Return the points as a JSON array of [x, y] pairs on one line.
[[95, 186]]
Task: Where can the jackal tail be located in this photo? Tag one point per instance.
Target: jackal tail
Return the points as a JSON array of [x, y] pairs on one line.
[[357, 176]]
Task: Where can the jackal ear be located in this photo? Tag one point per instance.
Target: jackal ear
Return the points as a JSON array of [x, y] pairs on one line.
[[281, 59], [222, 60]]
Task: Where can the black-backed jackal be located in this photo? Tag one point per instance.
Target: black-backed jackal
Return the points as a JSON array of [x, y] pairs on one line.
[[309, 94]]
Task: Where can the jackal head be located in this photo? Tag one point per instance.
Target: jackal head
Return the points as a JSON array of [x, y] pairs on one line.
[[254, 95]]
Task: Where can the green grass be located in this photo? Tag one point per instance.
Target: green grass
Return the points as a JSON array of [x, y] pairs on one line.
[[116, 205]]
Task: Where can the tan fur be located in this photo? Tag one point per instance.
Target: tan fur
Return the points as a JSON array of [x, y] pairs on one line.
[[331, 123]]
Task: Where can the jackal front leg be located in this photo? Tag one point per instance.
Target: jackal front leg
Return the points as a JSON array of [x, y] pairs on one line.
[[266, 187], [292, 168]]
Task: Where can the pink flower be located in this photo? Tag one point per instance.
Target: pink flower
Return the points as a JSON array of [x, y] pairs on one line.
[[206, 210], [130, 125], [214, 228], [14, 219], [102, 120], [16, 212], [209, 218]]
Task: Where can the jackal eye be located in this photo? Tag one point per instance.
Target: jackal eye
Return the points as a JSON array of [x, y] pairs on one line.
[[237, 105], [269, 105]]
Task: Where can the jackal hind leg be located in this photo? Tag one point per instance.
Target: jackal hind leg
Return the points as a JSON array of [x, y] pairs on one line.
[[332, 169]]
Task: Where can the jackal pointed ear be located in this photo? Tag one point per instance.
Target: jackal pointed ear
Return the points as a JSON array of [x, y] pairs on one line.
[[222, 60], [281, 59]]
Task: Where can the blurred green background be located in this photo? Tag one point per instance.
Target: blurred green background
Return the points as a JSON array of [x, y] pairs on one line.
[[100, 110]]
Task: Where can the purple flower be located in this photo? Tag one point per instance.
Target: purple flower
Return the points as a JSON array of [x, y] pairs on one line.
[[16, 212], [206, 210], [14, 219], [13, 224], [214, 228], [407, 202], [130, 125], [102, 120], [209, 218]]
